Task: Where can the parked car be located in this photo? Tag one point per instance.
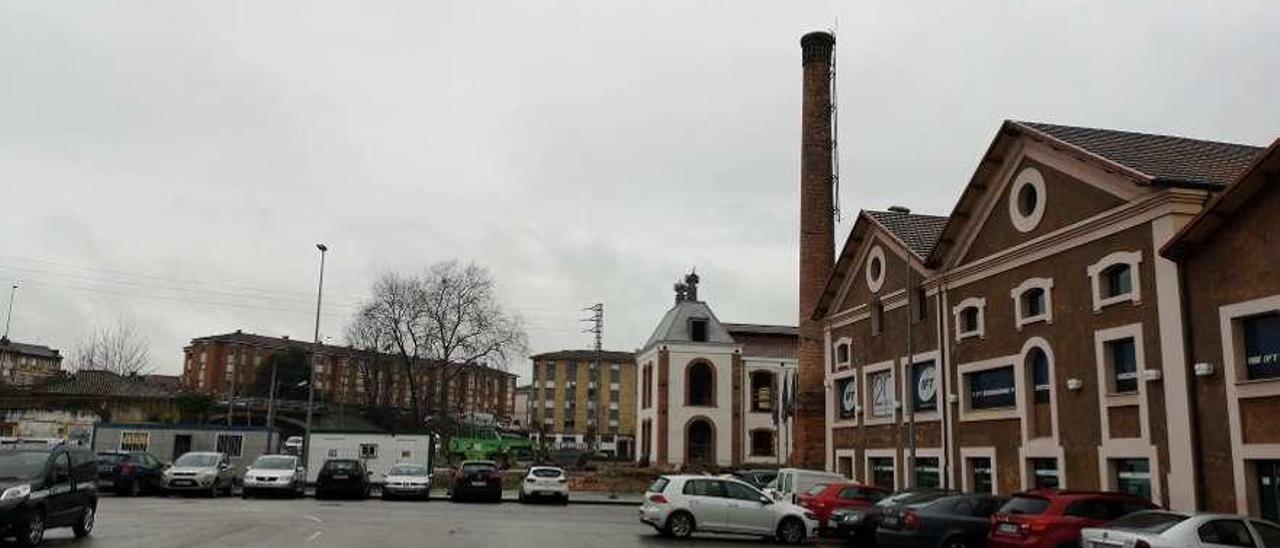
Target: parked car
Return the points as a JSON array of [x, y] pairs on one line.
[[200, 472], [293, 445], [280, 474], [791, 482], [342, 477], [44, 486], [129, 473], [858, 524], [1051, 518], [678, 506], [544, 481], [1159, 528], [953, 521], [823, 499], [477, 479], [757, 478], [407, 480]]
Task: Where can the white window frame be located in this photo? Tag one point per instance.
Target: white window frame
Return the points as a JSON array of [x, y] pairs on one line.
[[869, 474], [120, 443], [964, 370], [979, 303], [375, 451], [835, 350], [850, 454], [1032, 177], [874, 283], [1239, 387], [1044, 284], [907, 396], [967, 453], [865, 387], [837, 398], [1095, 270]]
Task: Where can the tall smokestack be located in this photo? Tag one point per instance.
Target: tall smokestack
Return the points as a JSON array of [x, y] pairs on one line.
[[817, 244]]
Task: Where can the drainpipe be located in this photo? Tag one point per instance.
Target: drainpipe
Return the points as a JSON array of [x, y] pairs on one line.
[[1188, 333]]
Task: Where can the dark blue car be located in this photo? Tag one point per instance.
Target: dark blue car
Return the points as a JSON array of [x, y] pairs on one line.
[[129, 473]]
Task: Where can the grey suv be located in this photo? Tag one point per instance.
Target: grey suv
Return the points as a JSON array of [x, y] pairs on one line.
[[200, 472]]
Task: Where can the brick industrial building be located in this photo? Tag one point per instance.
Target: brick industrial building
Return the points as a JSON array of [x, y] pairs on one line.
[[24, 365], [227, 364], [574, 403], [1050, 336]]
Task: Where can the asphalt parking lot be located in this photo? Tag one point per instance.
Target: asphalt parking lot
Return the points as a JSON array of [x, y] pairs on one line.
[[177, 522]]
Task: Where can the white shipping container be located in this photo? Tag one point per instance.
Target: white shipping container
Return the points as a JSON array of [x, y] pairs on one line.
[[378, 451]]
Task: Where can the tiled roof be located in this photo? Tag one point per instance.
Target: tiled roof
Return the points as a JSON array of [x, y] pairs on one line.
[[586, 356], [919, 232], [760, 329], [1222, 208], [35, 350], [1162, 157], [105, 383], [172, 382]]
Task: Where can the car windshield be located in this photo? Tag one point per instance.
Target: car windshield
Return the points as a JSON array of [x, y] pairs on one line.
[[1148, 522], [341, 465], [473, 467], [22, 465], [274, 462], [1025, 505], [547, 472], [112, 458], [816, 490], [196, 460], [897, 498], [408, 470]]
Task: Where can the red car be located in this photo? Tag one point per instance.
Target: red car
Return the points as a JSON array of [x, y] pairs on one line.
[[1052, 519], [826, 498]]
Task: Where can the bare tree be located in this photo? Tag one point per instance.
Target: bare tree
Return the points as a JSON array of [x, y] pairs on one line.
[[119, 348], [373, 365], [438, 325]]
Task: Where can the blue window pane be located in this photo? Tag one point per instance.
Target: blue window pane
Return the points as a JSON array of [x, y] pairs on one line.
[[1124, 364], [992, 389], [1262, 346], [1039, 362]]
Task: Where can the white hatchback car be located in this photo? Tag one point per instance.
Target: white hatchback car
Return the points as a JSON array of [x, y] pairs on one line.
[[680, 505], [544, 481], [1162, 529]]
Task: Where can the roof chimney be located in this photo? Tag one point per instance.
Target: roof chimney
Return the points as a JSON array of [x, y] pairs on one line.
[[899, 209]]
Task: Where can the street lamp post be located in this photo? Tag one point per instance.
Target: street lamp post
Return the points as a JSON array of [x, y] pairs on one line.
[[311, 365]]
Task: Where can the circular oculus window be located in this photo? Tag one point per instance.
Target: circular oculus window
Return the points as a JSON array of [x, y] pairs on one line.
[[1026, 200], [875, 269]]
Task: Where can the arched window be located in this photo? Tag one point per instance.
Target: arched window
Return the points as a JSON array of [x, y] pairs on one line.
[[1038, 372], [700, 384], [969, 320], [1114, 279], [842, 357], [700, 442], [762, 391], [968, 314], [1033, 300]]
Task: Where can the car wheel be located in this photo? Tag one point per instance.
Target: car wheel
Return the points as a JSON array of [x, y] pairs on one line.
[[680, 525], [791, 531], [30, 532], [521, 498], [564, 500], [84, 525]]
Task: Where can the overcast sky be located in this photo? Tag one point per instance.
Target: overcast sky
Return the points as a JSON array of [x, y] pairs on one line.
[[174, 163]]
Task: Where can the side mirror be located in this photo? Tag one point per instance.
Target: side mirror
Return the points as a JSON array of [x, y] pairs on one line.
[[766, 501]]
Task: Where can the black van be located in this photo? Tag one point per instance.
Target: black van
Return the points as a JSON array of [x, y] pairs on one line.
[[43, 485]]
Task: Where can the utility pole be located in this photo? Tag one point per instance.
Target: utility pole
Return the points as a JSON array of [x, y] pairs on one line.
[[271, 408], [909, 405], [597, 328], [311, 363], [12, 292]]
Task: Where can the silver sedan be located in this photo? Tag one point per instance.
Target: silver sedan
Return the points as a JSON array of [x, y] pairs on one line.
[[1162, 529]]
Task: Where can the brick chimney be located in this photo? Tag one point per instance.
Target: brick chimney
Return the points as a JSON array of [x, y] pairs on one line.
[[817, 245]]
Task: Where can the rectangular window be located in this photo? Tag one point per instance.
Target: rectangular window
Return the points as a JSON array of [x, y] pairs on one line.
[[877, 317], [368, 450], [231, 444], [1261, 336], [882, 472], [844, 466], [980, 475], [881, 394], [1133, 476], [1044, 473], [1124, 365], [924, 389], [762, 443], [135, 441], [847, 389], [992, 389], [927, 474]]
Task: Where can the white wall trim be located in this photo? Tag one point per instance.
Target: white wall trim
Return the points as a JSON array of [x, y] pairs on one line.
[[875, 283], [1238, 388], [866, 391], [962, 372], [1131, 258], [1026, 392], [852, 455], [869, 475], [1028, 177], [1045, 284], [907, 390], [967, 453], [848, 355], [972, 302]]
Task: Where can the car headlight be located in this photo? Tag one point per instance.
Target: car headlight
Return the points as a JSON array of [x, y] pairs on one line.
[[853, 518], [16, 492]]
